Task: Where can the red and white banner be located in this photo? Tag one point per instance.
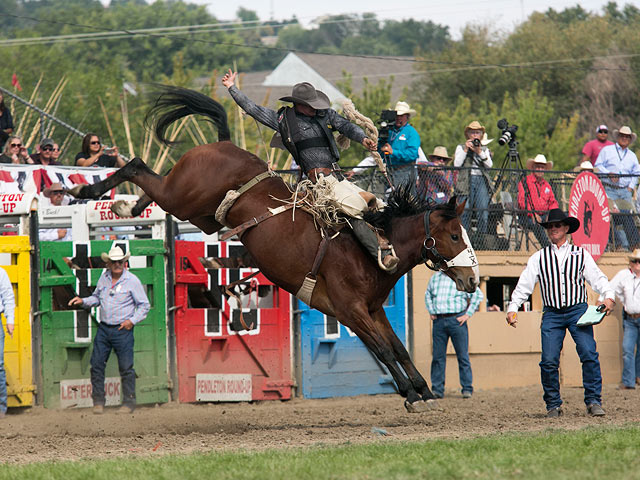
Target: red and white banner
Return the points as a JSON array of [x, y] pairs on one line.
[[35, 178], [589, 204]]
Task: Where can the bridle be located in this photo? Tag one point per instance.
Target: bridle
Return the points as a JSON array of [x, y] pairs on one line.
[[466, 258]]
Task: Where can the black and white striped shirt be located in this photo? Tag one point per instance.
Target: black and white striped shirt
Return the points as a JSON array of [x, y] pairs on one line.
[[561, 272]]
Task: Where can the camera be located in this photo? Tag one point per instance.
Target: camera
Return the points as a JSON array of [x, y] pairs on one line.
[[508, 131], [476, 142], [387, 119]]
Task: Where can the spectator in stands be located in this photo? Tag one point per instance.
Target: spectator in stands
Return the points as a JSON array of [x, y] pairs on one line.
[[536, 197], [438, 182], [561, 269], [619, 165], [6, 122], [401, 151], [94, 154], [626, 285], [7, 306], [55, 193], [55, 154], [15, 152], [123, 304], [450, 309], [592, 148], [473, 180], [44, 155]]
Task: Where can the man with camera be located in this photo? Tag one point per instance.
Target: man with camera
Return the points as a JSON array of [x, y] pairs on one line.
[[400, 146], [473, 179]]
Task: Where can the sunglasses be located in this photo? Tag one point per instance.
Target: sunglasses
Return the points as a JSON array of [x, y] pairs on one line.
[[603, 131], [434, 158], [95, 142], [47, 149], [554, 225], [117, 262], [635, 261], [624, 135], [57, 192], [16, 145], [56, 149]]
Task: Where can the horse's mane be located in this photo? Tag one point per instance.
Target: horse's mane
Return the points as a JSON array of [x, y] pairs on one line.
[[403, 203], [173, 103]]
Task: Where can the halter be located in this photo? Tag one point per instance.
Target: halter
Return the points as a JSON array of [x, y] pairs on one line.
[[466, 258]]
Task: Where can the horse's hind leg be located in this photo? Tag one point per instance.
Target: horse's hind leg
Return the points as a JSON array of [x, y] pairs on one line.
[[403, 357]]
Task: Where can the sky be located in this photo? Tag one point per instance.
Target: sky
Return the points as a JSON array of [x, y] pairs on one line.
[[502, 15]]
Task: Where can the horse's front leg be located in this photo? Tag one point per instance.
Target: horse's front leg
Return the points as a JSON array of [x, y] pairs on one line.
[[402, 356], [361, 323]]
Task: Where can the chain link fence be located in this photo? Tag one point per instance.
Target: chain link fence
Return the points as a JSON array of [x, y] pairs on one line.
[[500, 213]]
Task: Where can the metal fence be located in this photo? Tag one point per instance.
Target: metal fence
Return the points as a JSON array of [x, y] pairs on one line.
[[500, 213]]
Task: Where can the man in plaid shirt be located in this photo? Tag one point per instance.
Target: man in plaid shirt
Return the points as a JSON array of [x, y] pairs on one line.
[[450, 309]]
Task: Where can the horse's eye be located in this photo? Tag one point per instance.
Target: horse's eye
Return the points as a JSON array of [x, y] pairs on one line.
[[455, 237]]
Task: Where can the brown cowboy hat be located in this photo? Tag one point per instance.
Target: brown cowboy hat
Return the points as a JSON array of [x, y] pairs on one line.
[[306, 94], [556, 215], [475, 125], [540, 160], [625, 131], [441, 152], [54, 187]]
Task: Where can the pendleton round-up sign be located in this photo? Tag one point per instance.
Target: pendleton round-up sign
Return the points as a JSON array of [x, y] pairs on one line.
[[589, 204]]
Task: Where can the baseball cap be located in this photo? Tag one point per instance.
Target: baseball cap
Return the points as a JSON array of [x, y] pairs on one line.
[[601, 127], [47, 142]]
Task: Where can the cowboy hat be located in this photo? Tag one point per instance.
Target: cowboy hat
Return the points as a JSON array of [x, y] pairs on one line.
[[585, 165], [402, 108], [475, 125], [114, 255], [625, 131], [485, 140], [440, 152], [635, 255], [54, 187], [306, 94], [556, 215], [540, 160]]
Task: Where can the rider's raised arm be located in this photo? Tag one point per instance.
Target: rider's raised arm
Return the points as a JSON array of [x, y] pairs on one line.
[[264, 115]]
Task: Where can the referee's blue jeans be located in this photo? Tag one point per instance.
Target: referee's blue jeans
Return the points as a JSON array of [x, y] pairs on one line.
[[630, 357], [121, 341], [443, 329], [555, 323]]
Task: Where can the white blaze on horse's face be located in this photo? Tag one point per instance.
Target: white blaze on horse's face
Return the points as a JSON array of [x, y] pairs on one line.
[[466, 258]]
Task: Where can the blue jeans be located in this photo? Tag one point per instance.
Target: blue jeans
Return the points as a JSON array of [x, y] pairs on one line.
[[443, 329], [121, 341], [3, 375], [623, 227], [630, 341], [555, 323], [478, 201], [404, 175]]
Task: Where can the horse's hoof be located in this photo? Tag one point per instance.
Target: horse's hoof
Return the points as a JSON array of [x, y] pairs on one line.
[[420, 406], [75, 191], [122, 208]]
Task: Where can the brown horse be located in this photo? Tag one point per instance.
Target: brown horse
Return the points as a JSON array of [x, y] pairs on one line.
[[350, 286]]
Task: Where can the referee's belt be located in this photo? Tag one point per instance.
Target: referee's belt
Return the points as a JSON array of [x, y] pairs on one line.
[[446, 315], [633, 315]]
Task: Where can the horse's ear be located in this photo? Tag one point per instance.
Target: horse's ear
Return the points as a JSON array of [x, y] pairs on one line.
[[460, 207]]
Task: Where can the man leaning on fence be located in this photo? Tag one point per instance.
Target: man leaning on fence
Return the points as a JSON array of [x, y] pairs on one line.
[[123, 304], [7, 306], [561, 269]]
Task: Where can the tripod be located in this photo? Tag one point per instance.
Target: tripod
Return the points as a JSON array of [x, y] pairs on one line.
[[512, 174]]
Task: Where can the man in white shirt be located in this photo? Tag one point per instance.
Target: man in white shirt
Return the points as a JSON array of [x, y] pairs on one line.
[[561, 268], [626, 285]]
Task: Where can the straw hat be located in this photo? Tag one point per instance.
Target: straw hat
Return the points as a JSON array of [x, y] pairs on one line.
[[540, 160], [626, 131], [54, 187], [114, 255], [440, 152], [402, 108], [475, 125], [635, 255]]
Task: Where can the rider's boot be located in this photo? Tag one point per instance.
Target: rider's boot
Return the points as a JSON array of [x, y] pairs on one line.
[[375, 244]]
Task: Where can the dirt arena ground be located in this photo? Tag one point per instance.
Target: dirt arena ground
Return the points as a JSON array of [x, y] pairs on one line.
[[37, 434]]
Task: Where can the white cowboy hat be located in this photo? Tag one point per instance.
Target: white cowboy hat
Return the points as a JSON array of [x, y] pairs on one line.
[[540, 160], [585, 165], [114, 255], [402, 108], [485, 140], [626, 131], [635, 255], [440, 152]]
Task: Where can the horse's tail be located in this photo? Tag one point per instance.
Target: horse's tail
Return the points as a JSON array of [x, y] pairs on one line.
[[173, 103]]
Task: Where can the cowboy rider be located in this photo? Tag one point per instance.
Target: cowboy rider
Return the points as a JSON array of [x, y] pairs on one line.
[[305, 130]]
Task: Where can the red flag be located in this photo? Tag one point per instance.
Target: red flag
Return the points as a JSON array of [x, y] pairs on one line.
[[15, 82]]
